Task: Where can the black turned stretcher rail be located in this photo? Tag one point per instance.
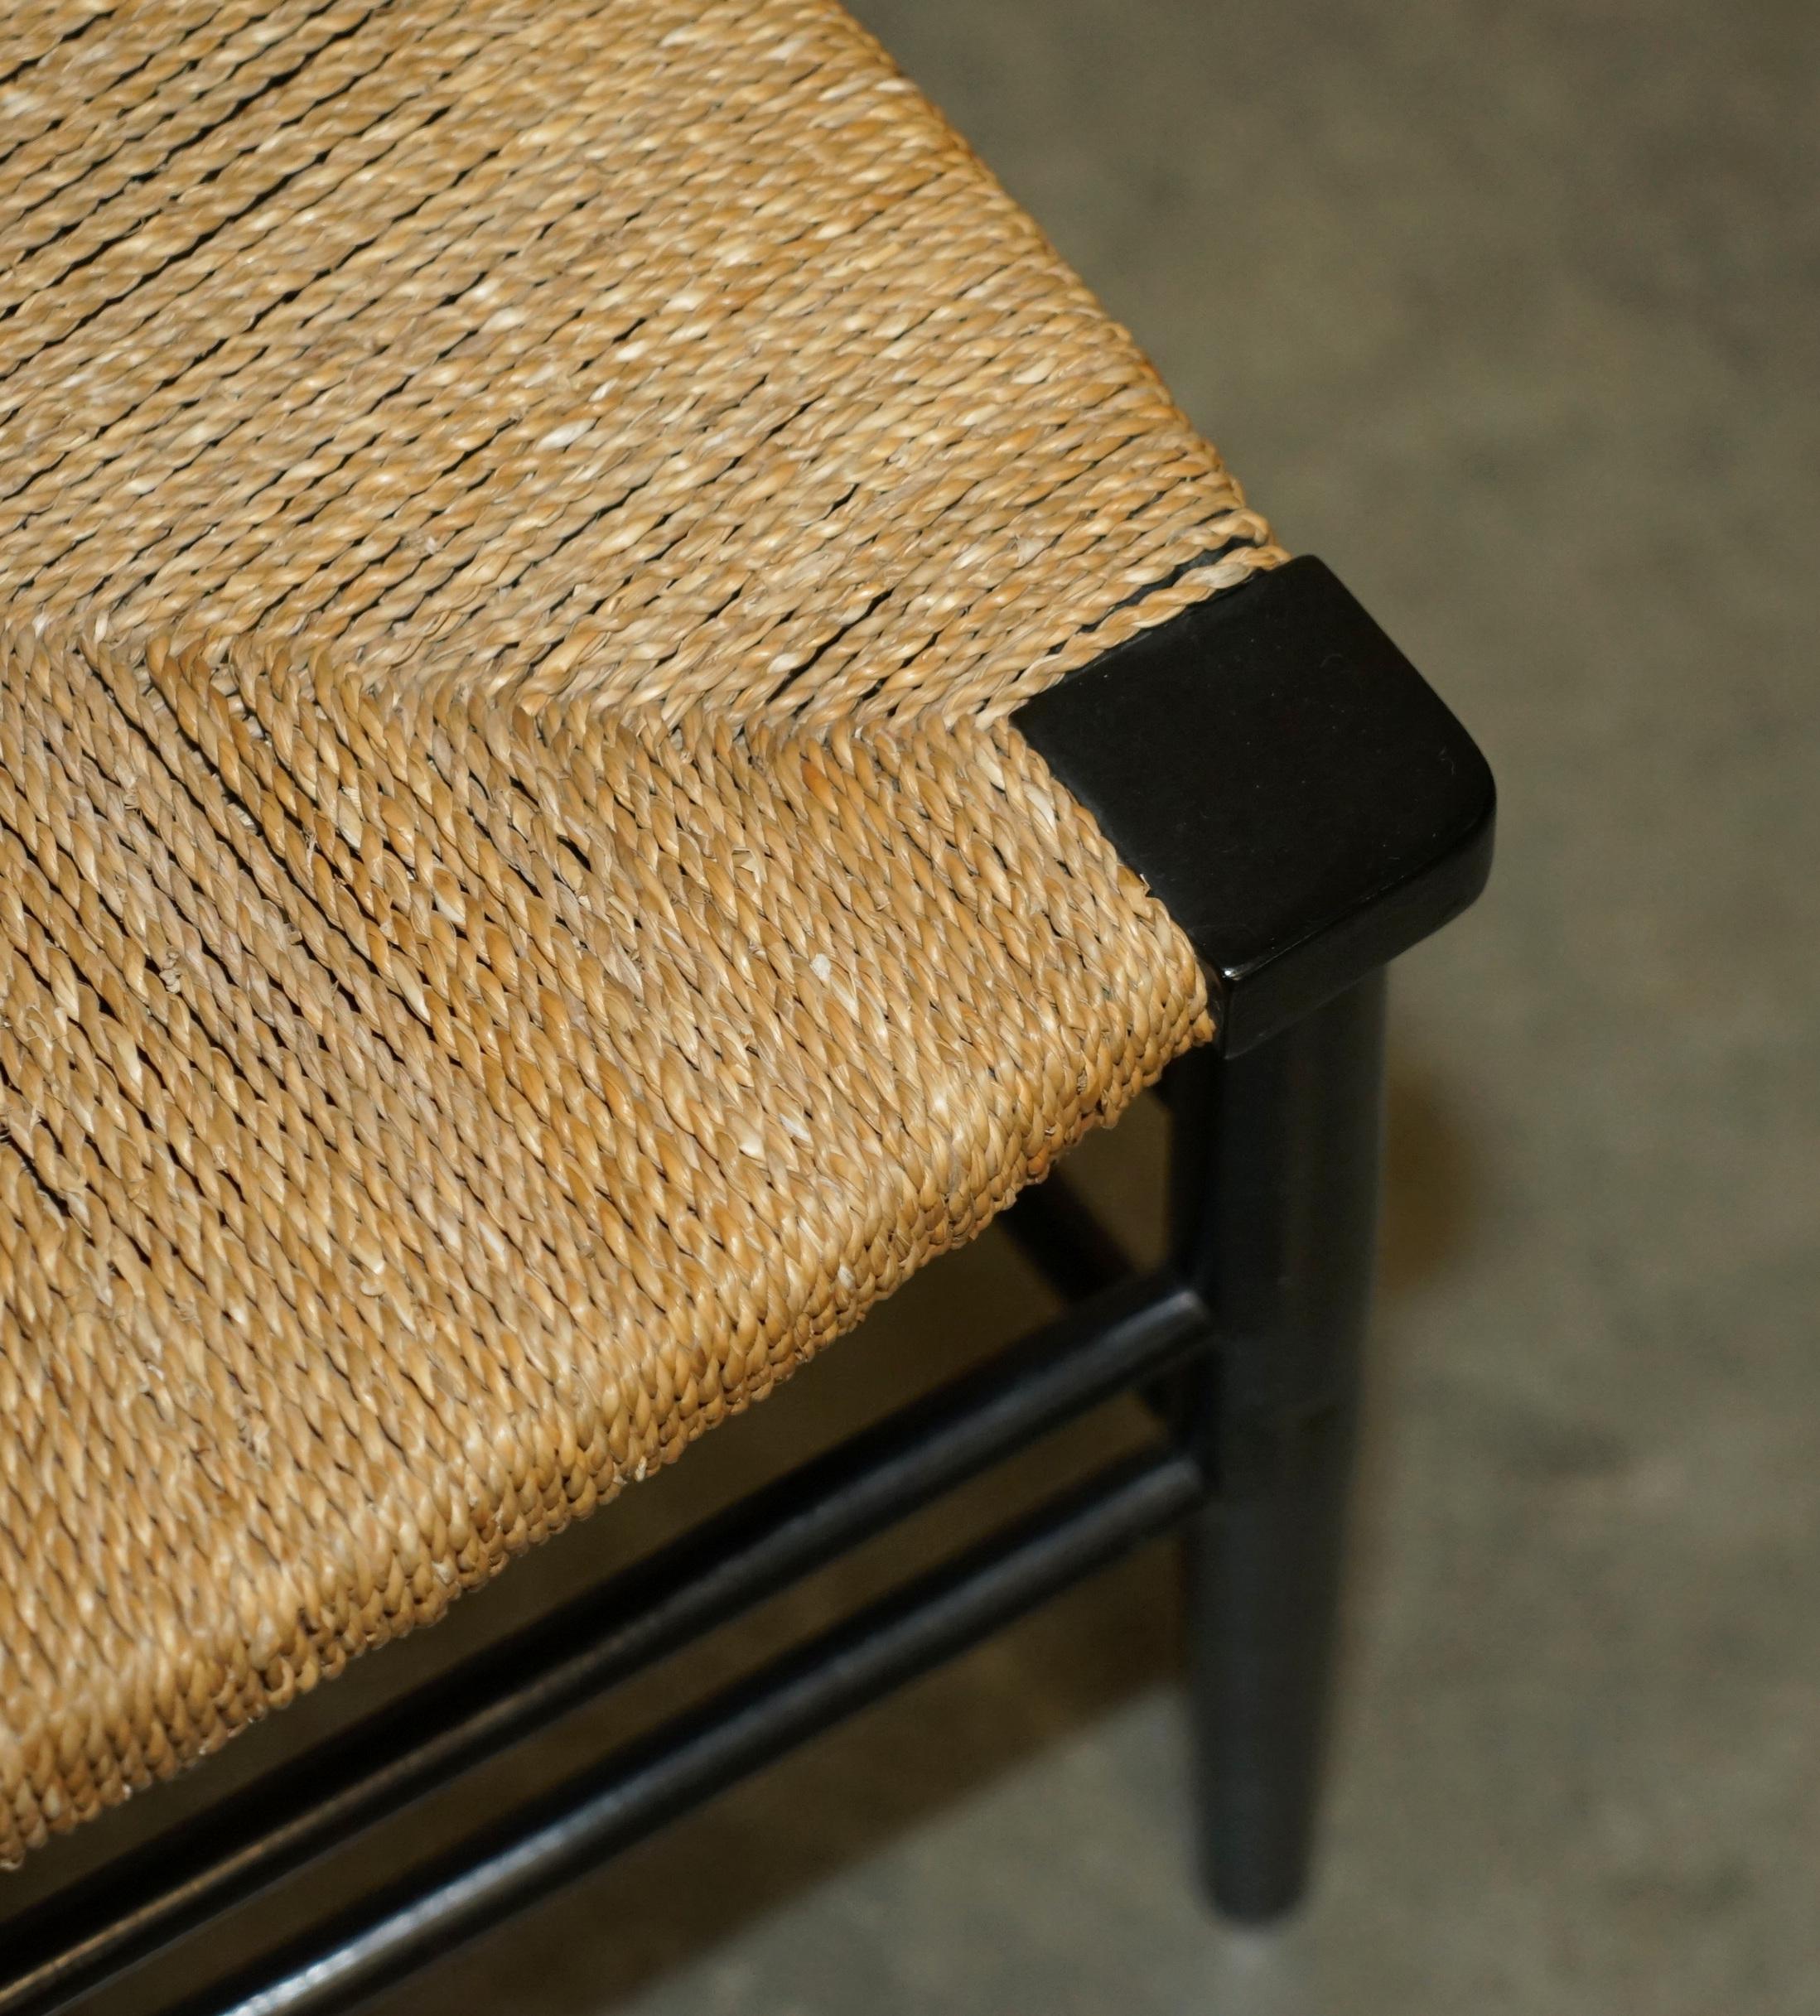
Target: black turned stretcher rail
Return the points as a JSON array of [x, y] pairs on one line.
[[597, 1813], [1053, 1228], [79, 1938]]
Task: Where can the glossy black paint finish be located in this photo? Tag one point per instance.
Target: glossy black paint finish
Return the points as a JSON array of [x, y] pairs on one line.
[[82, 1936], [1274, 1193], [1296, 796]]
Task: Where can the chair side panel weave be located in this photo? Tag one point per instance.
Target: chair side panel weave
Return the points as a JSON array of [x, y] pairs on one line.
[[418, 1121], [521, 913]]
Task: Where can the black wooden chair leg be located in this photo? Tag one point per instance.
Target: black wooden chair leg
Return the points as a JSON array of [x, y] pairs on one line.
[[1274, 1207], [1306, 809]]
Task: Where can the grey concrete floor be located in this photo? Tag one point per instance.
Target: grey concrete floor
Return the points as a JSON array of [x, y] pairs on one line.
[[1510, 313]]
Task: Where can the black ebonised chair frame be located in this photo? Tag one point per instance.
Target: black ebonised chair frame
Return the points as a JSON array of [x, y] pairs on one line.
[[1306, 808]]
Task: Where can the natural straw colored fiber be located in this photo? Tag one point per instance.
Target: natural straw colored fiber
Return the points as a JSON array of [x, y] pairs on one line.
[[522, 910]]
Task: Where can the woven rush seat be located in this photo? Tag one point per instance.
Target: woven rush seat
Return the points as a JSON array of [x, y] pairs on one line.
[[524, 911]]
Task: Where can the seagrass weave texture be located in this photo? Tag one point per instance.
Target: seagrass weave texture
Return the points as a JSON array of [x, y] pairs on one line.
[[522, 910]]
